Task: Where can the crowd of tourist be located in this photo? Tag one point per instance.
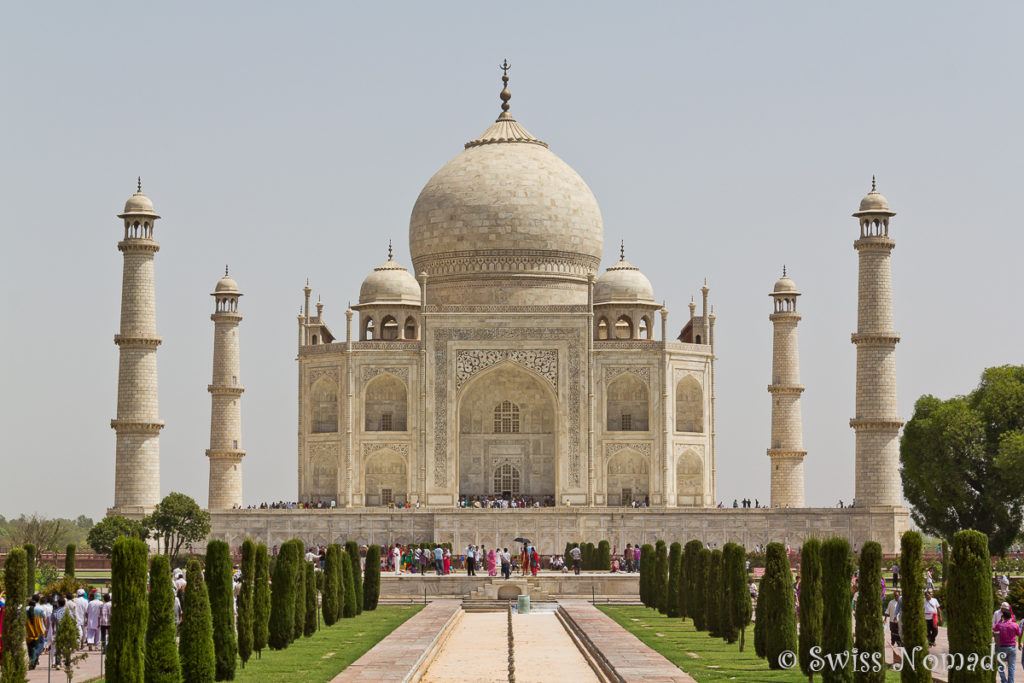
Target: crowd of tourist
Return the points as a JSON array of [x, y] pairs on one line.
[[496, 502], [44, 613]]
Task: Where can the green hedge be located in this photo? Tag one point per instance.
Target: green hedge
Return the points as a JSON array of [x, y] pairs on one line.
[[689, 600], [331, 585], [779, 610], [699, 607], [352, 548], [912, 628], [261, 600], [299, 624], [246, 614], [371, 582], [69, 560], [14, 666], [282, 597], [349, 606], [660, 585], [713, 591], [162, 664], [810, 603], [674, 567], [195, 641], [309, 628], [129, 610], [870, 634], [222, 608], [969, 598]]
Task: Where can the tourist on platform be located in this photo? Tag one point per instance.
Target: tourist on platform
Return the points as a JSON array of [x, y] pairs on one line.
[[892, 615], [636, 557], [439, 560], [35, 631], [396, 556], [577, 559], [492, 563], [81, 612], [627, 558], [470, 568], [932, 617], [447, 561], [506, 563], [105, 621], [92, 621]]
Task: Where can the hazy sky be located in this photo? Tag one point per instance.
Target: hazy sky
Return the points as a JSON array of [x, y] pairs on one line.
[[721, 140]]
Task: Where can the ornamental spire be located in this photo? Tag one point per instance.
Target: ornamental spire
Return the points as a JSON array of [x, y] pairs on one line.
[[622, 250], [389, 250], [873, 183], [505, 94], [139, 186]]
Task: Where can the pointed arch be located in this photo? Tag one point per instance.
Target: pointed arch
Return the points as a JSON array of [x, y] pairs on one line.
[[689, 405], [602, 328], [624, 327], [324, 406], [644, 329], [627, 404], [385, 477], [385, 399], [369, 331], [628, 478], [324, 477], [689, 479], [410, 328], [388, 328]]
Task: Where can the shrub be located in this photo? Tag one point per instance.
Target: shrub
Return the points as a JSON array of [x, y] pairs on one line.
[[195, 643], [126, 651], [699, 611], [342, 597], [646, 572], [352, 548], [660, 583], [162, 665], [672, 596], [14, 666], [222, 608], [311, 602], [371, 583], [736, 614], [689, 601], [331, 586], [604, 556], [810, 603], [64, 585], [870, 637], [282, 598], [779, 611], [760, 619], [66, 643], [245, 601], [836, 637], [261, 600], [30, 568], [969, 597], [299, 625], [349, 609], [945, 562], [713, 590], [69, 560], [912, 629]]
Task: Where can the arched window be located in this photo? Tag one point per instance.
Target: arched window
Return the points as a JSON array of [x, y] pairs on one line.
[[410, 328], [385, 404], [389, 328], [368, 330], [645, 329], [689, 406], [627, 404], [324, 405], [602, 329], [506, 418], [506, 481], [624, 327], [314, 339], [689, 479]]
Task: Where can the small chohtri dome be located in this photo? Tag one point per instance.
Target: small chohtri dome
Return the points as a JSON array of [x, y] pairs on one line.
[[623, 283], [785, 285], [390, 283], [874, 202], [226, 284], [138, 205]]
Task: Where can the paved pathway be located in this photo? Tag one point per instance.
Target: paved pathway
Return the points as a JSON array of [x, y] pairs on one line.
[[627, 654], [405, 648], [477, 650], [87, 669]]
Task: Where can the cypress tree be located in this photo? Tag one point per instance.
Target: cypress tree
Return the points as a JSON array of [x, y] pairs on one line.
[[567, 556], [912, 629], [14, 667], [660, 584], [349, 609], [869, 635], [261, 600], [699, 605], [66, 643], [342, 596], [836, 637], [646, 570], [585, 559], [760, 621], [945, 562], [969, 599], [222, 608], [736, 612], [604, 556], [371, 582], [126, 651], [299, 625], [310, 626], [810, 603], [245, 601], [713, 586], [352, 548], [30, 568], [195, 642], [780, 614], [725, 629], [330, 606], [282, 598], [674, 563], [688, 601], [162, 665], [69, 560]]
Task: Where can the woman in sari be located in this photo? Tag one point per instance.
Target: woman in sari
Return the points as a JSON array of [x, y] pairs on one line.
[[447, 561], [492, 567]]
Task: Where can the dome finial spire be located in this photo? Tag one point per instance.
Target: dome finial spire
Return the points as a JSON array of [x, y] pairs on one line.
[[783, 270], [622, 250], [140, 184], [873, 183], [225, 270], [389, 250], [505, 94]]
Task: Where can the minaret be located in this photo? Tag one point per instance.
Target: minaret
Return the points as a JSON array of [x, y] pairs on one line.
[[787, 445], [225, 451], [876, 425], [137, 469]]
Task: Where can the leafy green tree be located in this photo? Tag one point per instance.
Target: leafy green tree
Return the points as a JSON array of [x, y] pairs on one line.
[[963, 460], [699, 610], [646, 572], [836, 636], [282, 597], [177, 522], [870, 637], [245, 601], [779, 609], [220, 586], [14, 666], [66, 644], [103, 534], [737, 594], [713, 590], [969, 601], [674, 564], [349, 608], [261, 600], [162, 665], [660, 586], [604, 556], [760, 622], [331, 584], [912, 629], [195, 645], [129, 612], [300, 601], [309, 627], [30, 568], [46, 534], [69, 560], [371, 581], [810, 603], [352, 548], [688, 598]]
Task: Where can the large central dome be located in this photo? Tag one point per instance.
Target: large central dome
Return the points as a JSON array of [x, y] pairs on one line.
[[506, 222]]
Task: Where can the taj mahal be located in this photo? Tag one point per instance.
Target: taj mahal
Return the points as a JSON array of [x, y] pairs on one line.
[[506, 364]]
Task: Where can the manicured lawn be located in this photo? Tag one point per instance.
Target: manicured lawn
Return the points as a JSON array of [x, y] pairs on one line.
[[698, 654]]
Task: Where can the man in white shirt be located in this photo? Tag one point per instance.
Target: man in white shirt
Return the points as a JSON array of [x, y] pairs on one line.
[[470, 560], [92, 620], [396, 555], [81, 615], [932, 617], [892, 611]]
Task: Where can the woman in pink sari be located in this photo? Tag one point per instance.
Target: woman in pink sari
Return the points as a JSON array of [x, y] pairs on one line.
[[492, 568], [447, 561]]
